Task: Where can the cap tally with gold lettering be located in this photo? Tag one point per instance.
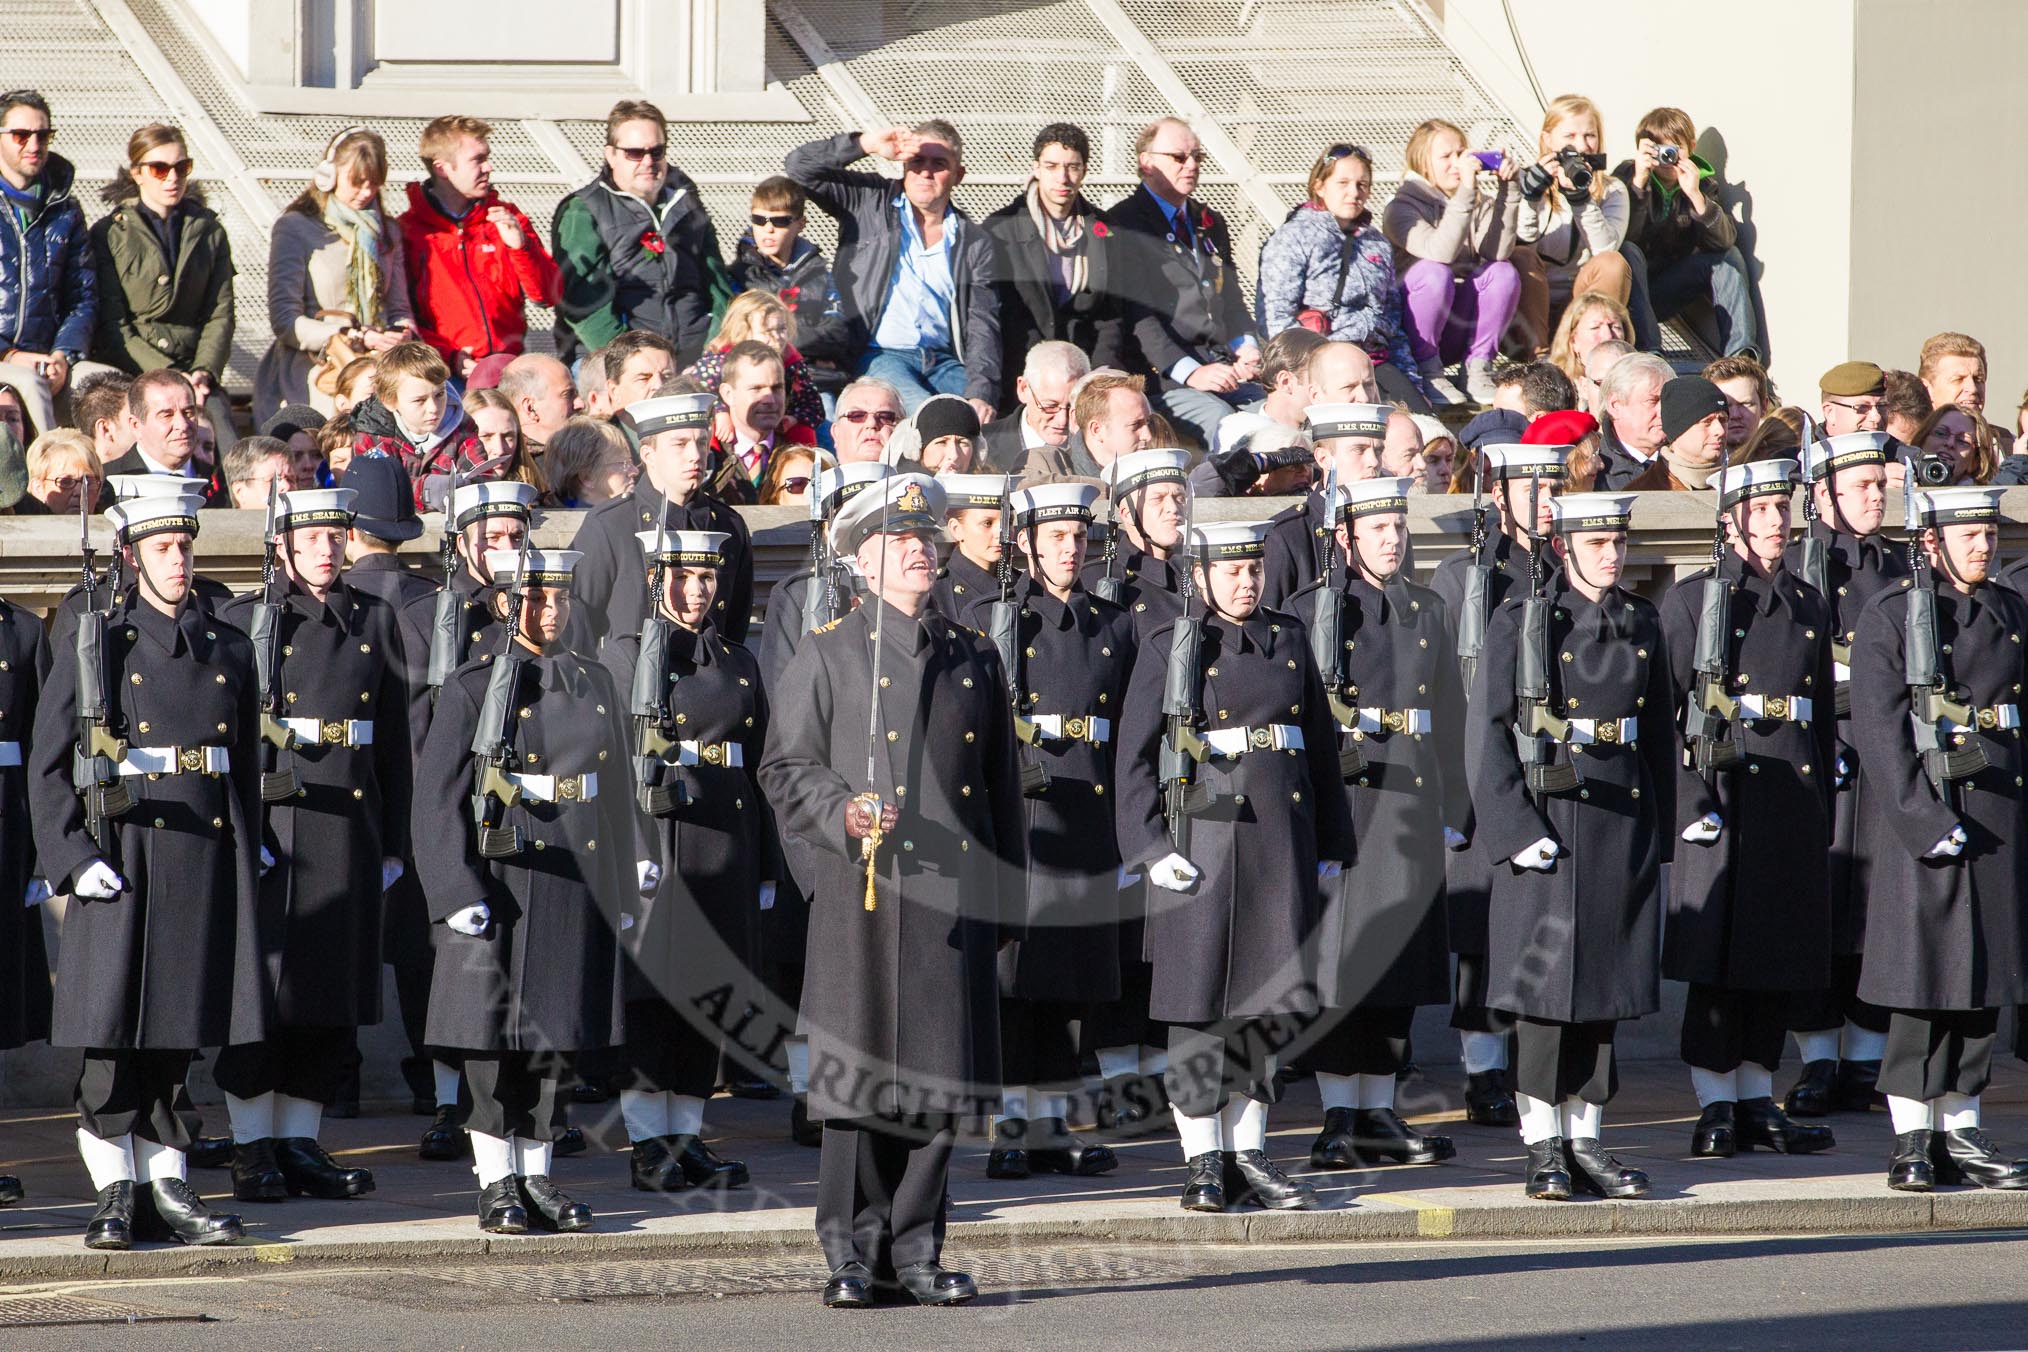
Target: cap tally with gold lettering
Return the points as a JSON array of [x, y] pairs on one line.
[[1347, 420], [1574, 512], [670, 412], [1846, 451], [139, 518], [1516, 461], [1136, 470], [1226, 541], [1758, 479], [314, 507], [491, 497], [1054, 502], [839, 484], [1373, 497], [900, 505], [546, 567], [127, 487], [684, 548], [1966, 506], [972, 492]]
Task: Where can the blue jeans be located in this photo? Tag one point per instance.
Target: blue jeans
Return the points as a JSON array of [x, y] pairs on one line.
[[917, 374], [1199, 412], [1661, 295]]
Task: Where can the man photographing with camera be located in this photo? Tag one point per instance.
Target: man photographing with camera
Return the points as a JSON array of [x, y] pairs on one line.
[[1680, 243]]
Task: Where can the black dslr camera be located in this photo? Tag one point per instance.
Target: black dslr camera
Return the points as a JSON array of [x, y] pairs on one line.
[[1926, 469], [1577, 167]]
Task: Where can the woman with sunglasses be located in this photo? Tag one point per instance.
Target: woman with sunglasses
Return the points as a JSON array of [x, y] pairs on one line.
[[788, 479], [165, 272], [1329, 268]]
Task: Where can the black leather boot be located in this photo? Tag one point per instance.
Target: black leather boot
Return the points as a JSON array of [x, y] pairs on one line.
[[654, 1167], [112, 1225], [187, 1219], [933, 1284], [11, 1190], [1381, 1137], [850, 1288], [1816, 1093], [702, 1169], [802, 1130], [1548, 1177], [311, 1172], [1763, 1126], [1911, 1168], [1333, 1148], [550, 1208], [256, 1175], [445, 1138], [1968, 1155], [1263, 1184], [1009, 1156], [1204, 1189], [1856, 1091], [1489, 1100], [1715, 1135], [1594, 1171], [500, 1208], [1053, 1148]]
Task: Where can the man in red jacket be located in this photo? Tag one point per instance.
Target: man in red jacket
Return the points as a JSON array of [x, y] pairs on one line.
[[473, 260]]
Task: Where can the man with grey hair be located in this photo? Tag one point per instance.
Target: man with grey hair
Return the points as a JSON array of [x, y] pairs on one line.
[[1630, 406], [868, 411], [594, 385], [1597, 362], [1044, 389], [538, 385]]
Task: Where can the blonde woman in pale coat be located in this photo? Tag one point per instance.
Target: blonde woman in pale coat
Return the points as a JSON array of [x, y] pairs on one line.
[[1570, 239], [1452, 235], [334, 266]]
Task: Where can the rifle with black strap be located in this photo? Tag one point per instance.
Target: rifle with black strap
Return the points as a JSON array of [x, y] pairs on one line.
[[1711, 711], [1111, 587], [818, 603], [1184, 795], [1472, 613], [277, 784], [493, 738], [447, 624], [1928, 692], [1327, 636], [648, 701], [95, 761], [1006, 624], [1539, 734]]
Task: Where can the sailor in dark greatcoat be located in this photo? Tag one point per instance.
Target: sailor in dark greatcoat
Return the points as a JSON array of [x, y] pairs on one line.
[[1946, 944], [155, 834], [972, 521], [1347, 437], [1749, 919], [893, 757], [1575, 913], [24, 963]]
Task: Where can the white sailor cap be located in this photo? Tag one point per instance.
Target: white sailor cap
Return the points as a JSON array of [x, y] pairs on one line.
[[491, 497], [1515, 461], [127, 487], [1758, 479], [1067, 501], [1969, 505], [1846, 450], [138, 518], [1575, 512], [1138, 469], [684, 548], [314, 507], [666, 413], [839, 484], [1373, 497], [1222, 541], [900, 504], [964, 492], [1347, 420], [546, 567]]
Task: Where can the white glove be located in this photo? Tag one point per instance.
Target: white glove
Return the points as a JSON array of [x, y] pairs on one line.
[[1328, 869], [1538, 855], [391, 870], [1951, 846], [1843, 772], [1452, 840], [626, 922], [38, 892], [268, 861], [1128, 878], [767, 896], [648, 876], [1704, 830], [1172, 872], [98, 882], [472, 920]]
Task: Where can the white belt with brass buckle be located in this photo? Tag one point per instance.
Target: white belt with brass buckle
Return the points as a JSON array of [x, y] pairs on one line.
[[329, 732], [1996, 717], [1412, 721], [176, 760], [1604, 731], [1794, 708], [1840, 673], [558, 788], [729, 754], [10, 754], [1239, 741], [1073, 728]]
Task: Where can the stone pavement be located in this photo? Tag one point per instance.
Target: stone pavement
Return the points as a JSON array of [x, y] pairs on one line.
[[423, 1212]]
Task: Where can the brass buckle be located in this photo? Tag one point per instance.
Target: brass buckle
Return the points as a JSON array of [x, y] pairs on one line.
[[332, 734], [714, 754], [1608, 730], [1076, 729], [1394, 720], [1777, 706], [1989, 719], [1260, 739], [191, 760], [567, 790]]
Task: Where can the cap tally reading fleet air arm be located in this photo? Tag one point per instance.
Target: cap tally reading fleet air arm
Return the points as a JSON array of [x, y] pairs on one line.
[[1957, 506], [1347, 420], [546, 567], [1226, 541], [898, 505], [1844, 451], [140, 518], [1758, 479], [1054, 502], [669, 412], [1138, 469], [314, 507], [494, 497], [1373, 497], [1591, 511]]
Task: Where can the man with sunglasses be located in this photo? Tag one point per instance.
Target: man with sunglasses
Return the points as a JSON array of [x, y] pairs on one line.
[[635, 247], [47, 284], [869, 409], [1177, 279]]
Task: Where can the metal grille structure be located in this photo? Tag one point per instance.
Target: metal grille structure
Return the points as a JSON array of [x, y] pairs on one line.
[[1267, 83]]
